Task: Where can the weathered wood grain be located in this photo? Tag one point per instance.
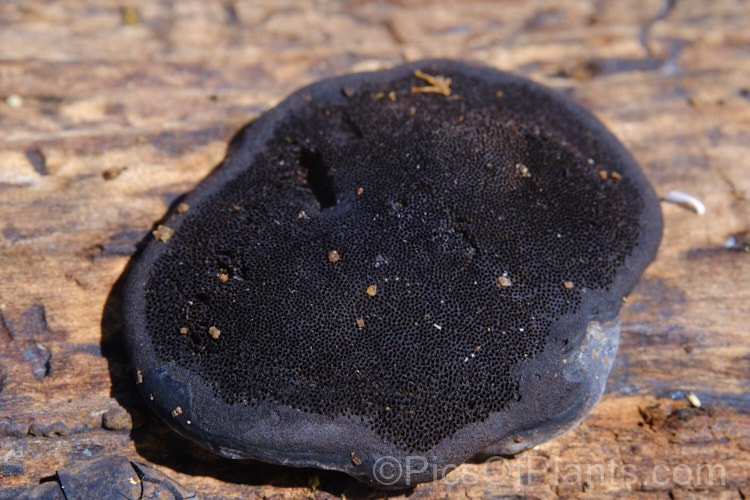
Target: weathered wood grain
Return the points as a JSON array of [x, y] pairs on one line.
[[120, 114]]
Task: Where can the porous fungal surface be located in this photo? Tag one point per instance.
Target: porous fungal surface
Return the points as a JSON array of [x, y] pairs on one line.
[[406, 268]]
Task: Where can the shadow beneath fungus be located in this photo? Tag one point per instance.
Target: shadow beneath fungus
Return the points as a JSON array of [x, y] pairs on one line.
[[155, 442]]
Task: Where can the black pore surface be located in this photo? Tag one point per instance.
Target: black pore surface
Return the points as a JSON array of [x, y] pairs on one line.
[[431, 199]]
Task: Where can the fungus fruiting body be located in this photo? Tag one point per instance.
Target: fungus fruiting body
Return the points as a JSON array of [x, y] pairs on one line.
[[406, 267]]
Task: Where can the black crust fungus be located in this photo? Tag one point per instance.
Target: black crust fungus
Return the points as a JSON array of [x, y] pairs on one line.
[[392, 272]]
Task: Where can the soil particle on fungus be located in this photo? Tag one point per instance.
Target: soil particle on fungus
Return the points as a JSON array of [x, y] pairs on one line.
[[421, 197], [183, 331], [163, 233], [223, 277], [504, 281], [177, 411], [182, 208], [522, 170]]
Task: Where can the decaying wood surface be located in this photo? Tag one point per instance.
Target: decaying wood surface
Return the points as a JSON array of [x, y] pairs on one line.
[[111, 109]]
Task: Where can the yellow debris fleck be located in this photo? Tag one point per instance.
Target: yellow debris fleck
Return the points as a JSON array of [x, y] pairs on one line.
[[163, 233], [522, 170], [437, 84]]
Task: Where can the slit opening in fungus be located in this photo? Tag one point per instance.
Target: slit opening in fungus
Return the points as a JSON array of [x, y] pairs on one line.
[[318, 178]]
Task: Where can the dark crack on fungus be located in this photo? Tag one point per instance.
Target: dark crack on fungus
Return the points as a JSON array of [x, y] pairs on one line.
[[472, 303], [318, 178]]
